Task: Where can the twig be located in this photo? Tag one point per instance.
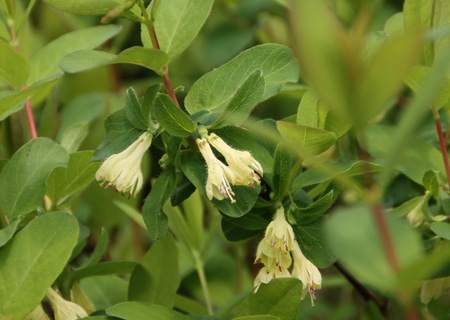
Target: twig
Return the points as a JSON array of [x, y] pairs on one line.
[[442, 143], [29, 110], [366, 294]]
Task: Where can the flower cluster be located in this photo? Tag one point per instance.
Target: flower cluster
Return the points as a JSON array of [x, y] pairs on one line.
[[274, 251], [123, 170], [242, 168]]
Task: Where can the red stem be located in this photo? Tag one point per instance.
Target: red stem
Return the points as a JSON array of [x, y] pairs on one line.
[[29, 110], [165, 69], [442, 144], [383, 229]]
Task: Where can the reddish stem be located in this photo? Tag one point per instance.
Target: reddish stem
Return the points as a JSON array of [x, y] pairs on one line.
[[388, 244], [165, 69], [29, 110], [442, 144]]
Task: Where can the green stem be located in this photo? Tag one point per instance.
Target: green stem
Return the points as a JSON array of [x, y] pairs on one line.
[[25, 17], [294, 171], [202, 276]]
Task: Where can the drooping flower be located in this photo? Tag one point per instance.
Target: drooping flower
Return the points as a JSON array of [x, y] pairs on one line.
[[433, 289], [241, 162], [123, 170], [306, 272], [274, 250], [219, 175], [65, 310]]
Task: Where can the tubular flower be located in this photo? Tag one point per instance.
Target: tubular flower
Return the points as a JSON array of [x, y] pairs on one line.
[[274, 250], [123, 170], [219, 175], [65, 310], [241, 162], [306, 272], [433, 289]]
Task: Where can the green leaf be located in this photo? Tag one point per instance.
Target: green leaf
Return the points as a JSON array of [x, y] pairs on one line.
[[189, 306], [442, 229], [408, 206], [431, 183], [22, 180], [308, 110], [144, 311], [177, 23], [44, 63], [120, 134], [311, 238], [32, 261], [281, 171], [83, 109], [104, 291], [260, 317], [102, 268], [13, 66], [74, 136], [148, 103], [418, 15], [245, 196], [376, 139], [441, 18], [156, 279], [172, 118], [215, 89], [11, 102], [247, 96], [357, 243], [280, 298], [242, 228], [155, 219], [7, 233], [314, 176], [88, 7], [307, 141], [315, 210], [65, 182], [100, 249], [356, 89], [134, 112], [417, 76], [84, 60]]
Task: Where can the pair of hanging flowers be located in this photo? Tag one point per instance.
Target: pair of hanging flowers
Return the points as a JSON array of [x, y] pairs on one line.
[[275, 250], [242, 168]]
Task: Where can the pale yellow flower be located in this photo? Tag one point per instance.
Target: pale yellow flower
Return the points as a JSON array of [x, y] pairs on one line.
[[274, 250], [65, 310], [306, 272], [123, 170], [433, 289], [241, 162], [219, 175]]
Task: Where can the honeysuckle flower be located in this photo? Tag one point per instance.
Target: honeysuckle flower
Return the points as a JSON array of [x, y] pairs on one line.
[[37, 314], [274, 250], [306, 272], [219, 175], [65, 310], [241, 162], [123, 170], [433, 289]]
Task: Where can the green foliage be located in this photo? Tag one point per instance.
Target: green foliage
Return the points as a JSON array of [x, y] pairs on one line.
[[83, 60], [23, 179], [271, 177], [33, 260]]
